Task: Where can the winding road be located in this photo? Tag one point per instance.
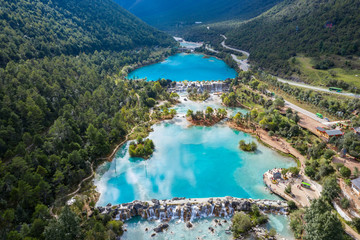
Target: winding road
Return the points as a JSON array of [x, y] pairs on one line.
[[315, 88], [243, 64], [351, 232]]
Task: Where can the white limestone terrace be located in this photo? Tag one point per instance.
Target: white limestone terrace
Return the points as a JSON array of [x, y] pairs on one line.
[[188, 45], [189, 209]]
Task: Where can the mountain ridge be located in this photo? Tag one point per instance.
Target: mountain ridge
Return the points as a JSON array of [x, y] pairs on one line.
[[34, 29], [168, 15]]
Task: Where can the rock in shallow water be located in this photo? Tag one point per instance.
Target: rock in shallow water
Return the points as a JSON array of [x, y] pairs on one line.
[[161, 227], [189, 225]]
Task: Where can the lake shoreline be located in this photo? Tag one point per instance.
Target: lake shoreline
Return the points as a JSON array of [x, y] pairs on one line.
[[278, 144], [202, 67]]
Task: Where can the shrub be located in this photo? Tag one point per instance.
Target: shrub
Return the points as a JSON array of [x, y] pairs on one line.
[[150, 102], [345, 172], [324, 64], [284, 171], [347, 181], [325, 170], [288, 189], [328, 153], [331, 189], [142, 148], [296, 223], [248, 147], [294, 171], [256, 215], [292, 205], [338, 166], [310, 171], [272, 232], [344, 202], [241, 223], [356, 223]]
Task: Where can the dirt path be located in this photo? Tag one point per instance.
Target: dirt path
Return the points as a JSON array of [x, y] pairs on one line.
[[111, 156], [74, 192], [92, 168]]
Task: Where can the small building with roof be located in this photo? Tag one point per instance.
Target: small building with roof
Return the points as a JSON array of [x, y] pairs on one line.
[[276, 175], [321, 130], [355, 185], [333, 133]]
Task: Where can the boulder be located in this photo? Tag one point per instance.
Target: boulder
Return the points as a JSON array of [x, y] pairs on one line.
[[161, 227], [189, 225], [155, 201]]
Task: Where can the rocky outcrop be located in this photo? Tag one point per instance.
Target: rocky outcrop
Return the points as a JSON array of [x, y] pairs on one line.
[[161, 227], [190, 209]]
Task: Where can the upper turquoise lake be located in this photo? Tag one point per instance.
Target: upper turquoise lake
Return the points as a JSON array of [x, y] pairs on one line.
[[182, 66]]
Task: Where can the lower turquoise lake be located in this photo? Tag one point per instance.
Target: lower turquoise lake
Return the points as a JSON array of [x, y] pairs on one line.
[[190, 161], [180, 67]]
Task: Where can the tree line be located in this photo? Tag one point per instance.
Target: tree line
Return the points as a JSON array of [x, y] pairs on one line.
[[58, 116]]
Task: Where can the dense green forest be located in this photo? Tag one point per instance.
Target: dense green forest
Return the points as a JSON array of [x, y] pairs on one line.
[[297, 26], [63, 106], [39, 28], [59, 116], [175, 15], [311, 27]]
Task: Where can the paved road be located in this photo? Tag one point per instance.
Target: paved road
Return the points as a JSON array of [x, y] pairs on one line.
[[243, 64], [210, 49], [315, 88], [234, 49], [320, 89], [305, 112]]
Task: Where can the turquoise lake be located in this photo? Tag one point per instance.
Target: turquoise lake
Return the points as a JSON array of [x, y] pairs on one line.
[[192, 162], [180, 67]]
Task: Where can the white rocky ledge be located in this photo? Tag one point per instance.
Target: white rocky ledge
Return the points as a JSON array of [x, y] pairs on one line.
[[189, 209]]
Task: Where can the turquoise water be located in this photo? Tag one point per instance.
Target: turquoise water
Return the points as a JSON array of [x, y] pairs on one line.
[[192, 162], [190, 45], [191, 67], [178, 230]]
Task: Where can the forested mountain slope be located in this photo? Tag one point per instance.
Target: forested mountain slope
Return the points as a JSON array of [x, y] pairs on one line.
[[169, 15], [313, 27], [63, 107], [34, 28]]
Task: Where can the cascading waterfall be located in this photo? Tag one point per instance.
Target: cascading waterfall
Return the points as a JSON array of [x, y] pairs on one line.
[[190, 210], [151, 214], [162, 216], [223, 212], [194, 213]]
